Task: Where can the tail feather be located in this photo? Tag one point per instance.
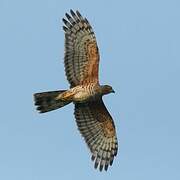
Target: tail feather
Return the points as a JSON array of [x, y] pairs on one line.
[[47, 101]]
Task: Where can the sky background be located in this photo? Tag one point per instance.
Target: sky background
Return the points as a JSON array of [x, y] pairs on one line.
[[139, 43]]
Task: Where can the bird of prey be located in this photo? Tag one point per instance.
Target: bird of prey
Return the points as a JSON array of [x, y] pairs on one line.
[[81, 63]]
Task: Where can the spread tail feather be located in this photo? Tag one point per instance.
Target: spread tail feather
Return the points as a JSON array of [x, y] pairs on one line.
[[48, 101]]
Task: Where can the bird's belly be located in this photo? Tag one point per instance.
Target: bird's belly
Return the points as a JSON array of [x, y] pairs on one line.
[[81, 96]]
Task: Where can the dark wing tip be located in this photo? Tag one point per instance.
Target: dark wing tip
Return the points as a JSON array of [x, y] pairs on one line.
[[72, 12], [106, 167], [64, 21], [65, 28], [67, 23], [101, 167], [87, 22], [79, 14], [93, 157], [111, 162], [67, 15], [96, 165]]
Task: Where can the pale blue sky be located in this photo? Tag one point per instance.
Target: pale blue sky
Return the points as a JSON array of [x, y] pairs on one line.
[[139, 42]]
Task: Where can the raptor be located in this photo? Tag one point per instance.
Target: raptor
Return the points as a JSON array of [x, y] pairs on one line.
[[81, 61]]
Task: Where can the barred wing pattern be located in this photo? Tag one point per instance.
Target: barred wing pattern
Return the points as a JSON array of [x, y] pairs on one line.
[[81, 51], [97, 127]]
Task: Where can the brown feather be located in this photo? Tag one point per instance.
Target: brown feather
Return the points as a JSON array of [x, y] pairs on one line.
[[81, 51], [97, 127]]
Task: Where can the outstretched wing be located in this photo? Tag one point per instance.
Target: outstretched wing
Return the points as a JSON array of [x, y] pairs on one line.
[[97, 127], [81, 51]]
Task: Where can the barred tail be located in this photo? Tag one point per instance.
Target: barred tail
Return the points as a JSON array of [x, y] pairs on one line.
[[46, 101]]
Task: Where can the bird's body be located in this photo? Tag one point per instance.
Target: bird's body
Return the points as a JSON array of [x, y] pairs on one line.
[[81, 66], [83, 93], [80, 93]]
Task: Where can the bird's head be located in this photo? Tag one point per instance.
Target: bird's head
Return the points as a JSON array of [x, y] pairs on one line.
[[106, 89]]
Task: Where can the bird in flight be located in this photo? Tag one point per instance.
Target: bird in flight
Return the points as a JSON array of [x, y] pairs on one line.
[[81, 63]]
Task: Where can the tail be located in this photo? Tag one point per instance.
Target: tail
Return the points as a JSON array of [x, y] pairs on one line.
[[48, 101]]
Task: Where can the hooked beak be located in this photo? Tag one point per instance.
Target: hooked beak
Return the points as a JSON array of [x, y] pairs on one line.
[[113, 91]]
